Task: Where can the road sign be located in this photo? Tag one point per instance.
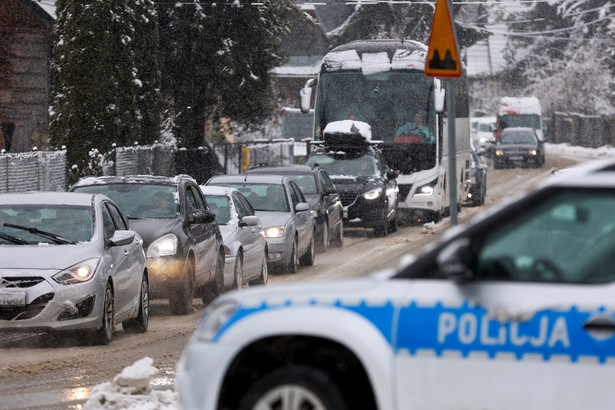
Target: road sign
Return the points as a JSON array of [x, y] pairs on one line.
[[442, 55]]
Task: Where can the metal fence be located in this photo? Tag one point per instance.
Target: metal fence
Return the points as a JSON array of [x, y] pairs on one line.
[[591, 131], [33, 171], [236, 158]]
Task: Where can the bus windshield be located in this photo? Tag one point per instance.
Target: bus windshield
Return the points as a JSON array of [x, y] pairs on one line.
[[391, 102], [398, 106]]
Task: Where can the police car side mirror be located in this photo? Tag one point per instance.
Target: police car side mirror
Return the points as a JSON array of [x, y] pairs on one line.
[[454, 260]]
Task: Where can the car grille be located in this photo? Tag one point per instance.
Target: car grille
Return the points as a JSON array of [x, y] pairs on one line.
[[27, 312], [347, 199], [20, 282]]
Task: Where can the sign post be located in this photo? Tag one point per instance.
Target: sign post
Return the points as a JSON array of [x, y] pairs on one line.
[[443, 61]]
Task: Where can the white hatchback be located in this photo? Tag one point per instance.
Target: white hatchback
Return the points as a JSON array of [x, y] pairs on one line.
[[514, 310]]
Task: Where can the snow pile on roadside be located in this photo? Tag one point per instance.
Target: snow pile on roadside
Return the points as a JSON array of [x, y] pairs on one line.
[[601, 152], [130, 390]]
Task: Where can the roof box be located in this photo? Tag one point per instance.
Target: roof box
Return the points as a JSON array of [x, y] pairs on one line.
[[347, 135]]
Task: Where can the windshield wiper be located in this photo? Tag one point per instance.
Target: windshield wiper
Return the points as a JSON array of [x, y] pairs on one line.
[[12, 238], [35, 231]]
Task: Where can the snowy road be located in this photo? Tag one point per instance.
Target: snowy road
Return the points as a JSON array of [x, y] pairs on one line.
[[39, 372]]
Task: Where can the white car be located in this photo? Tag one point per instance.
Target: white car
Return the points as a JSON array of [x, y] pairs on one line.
[[515, 309], [70, 263], [245, 247], [483, 132]]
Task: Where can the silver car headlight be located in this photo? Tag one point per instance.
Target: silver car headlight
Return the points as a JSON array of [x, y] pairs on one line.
[[373, 194], [78, 273], [274, 232], [215, 318], [164, 246]]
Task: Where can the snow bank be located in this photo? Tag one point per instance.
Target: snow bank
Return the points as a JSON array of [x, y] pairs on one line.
[[130, 390]]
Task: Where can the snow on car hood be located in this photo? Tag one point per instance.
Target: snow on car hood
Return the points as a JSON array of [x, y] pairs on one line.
[[44, 256]]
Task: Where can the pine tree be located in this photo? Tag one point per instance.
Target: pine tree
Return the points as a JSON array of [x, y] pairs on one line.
[[97, 91], [216, 61]]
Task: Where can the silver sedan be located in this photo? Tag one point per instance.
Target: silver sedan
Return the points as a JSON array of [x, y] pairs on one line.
[[70, 263], [245, 247]]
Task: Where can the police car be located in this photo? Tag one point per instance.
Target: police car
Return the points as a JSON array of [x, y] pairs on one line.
[[514, 310]]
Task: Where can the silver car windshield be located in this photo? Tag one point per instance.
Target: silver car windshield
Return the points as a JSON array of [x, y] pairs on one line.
[[221, 206], [45, 224]]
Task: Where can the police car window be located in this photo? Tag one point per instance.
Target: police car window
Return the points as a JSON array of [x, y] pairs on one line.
[[568, 238]]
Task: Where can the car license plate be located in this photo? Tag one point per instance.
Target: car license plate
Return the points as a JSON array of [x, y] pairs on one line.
[[516, 158], [13, 299], [345, 212]]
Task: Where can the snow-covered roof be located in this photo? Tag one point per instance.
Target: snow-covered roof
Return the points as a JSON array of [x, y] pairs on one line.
[[48, 6], [300, 66], [519, 105]]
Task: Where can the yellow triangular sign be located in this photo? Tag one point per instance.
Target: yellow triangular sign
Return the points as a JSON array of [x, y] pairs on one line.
[[442, 56]]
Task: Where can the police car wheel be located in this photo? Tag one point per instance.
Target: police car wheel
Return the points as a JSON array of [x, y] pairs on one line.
[[294, 387]]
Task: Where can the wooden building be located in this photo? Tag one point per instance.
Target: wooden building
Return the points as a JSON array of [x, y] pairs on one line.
[[25, 55]]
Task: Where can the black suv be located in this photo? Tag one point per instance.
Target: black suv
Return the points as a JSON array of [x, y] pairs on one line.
[[367, 186], [182, 241], [322, 196]]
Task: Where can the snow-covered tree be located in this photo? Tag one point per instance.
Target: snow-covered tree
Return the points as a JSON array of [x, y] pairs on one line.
[[217, 60], [563, 51], [101, 83], [401, 20]]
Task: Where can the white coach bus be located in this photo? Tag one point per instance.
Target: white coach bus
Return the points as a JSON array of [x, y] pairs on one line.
[[383, 83]]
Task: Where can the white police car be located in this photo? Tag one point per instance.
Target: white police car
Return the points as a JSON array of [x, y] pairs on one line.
[[515, 310]]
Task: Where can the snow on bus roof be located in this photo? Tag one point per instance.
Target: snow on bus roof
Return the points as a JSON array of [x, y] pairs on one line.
[[350, 127], [519, 105], [376, 62]]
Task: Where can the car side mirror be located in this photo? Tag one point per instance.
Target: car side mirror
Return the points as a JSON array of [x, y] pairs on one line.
[[329, 191], [302, 206], [481, 151], [122, 238], [454, 260], [249, 220], [202, 216], [392, 174]]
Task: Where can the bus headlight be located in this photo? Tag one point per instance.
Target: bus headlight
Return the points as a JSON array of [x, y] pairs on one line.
[[427, 189]]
